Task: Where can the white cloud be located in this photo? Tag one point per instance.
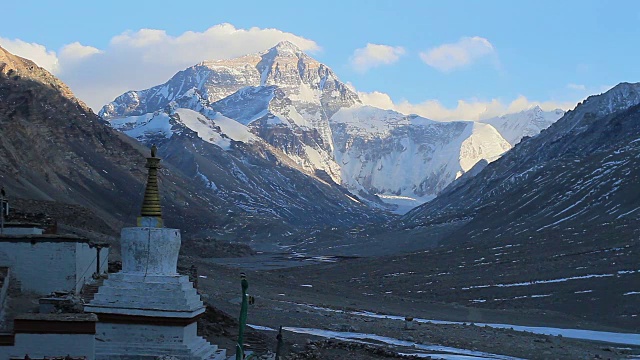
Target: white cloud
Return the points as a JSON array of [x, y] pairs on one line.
[[76, 51], [464, 110], [32, 51], [467, 50], [374, 55], [576, 87], [147, 57]]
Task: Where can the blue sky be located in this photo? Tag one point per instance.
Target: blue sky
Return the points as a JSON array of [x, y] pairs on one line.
[[435, 54]]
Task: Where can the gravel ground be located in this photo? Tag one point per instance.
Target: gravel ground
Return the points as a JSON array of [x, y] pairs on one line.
[[280, 296]]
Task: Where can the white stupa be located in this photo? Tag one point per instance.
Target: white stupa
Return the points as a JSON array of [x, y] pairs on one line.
[[148, 310]]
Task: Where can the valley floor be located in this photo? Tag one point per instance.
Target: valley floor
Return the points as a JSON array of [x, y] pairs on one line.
[[313, 304]]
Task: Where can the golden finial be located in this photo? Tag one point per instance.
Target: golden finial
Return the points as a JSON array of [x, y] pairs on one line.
[[151, 208]]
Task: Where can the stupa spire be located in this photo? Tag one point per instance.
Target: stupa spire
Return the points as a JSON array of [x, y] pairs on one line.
[[151, 211]]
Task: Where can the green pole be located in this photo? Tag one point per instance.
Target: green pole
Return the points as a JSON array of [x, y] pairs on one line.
[[243, 318]]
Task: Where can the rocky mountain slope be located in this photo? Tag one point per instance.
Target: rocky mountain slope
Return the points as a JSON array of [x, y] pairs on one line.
[[553, 224], [300, 107], [54, 148], [528, 123], [582, 169], [242, 169]]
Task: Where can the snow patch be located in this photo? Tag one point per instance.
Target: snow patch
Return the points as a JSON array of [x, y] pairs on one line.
[[603, 336], [144, 126]]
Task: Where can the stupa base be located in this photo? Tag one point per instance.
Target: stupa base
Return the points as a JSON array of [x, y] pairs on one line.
[[131, 341]]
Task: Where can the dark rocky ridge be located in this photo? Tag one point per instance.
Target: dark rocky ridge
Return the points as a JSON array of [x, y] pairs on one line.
[[54, 148], [583, 169]]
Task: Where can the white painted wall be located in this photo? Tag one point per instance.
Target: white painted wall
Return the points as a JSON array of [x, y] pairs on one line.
[[104, 260], [145, 334], [85, 260], [3, 295], [42, 267], [46, 266], [137, 341], [151, 251], [22, 231], [76, 345]]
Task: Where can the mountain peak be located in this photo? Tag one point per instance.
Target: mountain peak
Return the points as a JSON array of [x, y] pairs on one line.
[[17, 67], [619, 97], [624, 88], [285, 47], [9, 61]]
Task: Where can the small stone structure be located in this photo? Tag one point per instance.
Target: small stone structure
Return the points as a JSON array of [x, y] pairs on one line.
[[47, 335], [44, 263], [148, 310], [35, 264]]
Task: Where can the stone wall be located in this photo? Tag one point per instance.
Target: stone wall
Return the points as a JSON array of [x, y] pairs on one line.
[[52, 335], [44, 265], [50, 345]]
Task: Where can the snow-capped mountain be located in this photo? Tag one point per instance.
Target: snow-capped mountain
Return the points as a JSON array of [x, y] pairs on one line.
[[290, 93], [237, 167], [401, 158], [160, 125], [555, 219], [513, 127], [580, 172], [300, 107]]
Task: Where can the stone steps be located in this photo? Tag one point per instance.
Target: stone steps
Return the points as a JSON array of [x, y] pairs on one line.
[[111, 290], [198, 350], [142, 294], [89, 291], [157, 283], [205, 350], [176, 294]]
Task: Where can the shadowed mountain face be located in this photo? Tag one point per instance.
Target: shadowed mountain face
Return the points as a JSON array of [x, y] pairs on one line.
[[54, 148]]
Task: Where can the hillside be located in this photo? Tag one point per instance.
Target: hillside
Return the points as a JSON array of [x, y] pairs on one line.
[[579, 171]]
